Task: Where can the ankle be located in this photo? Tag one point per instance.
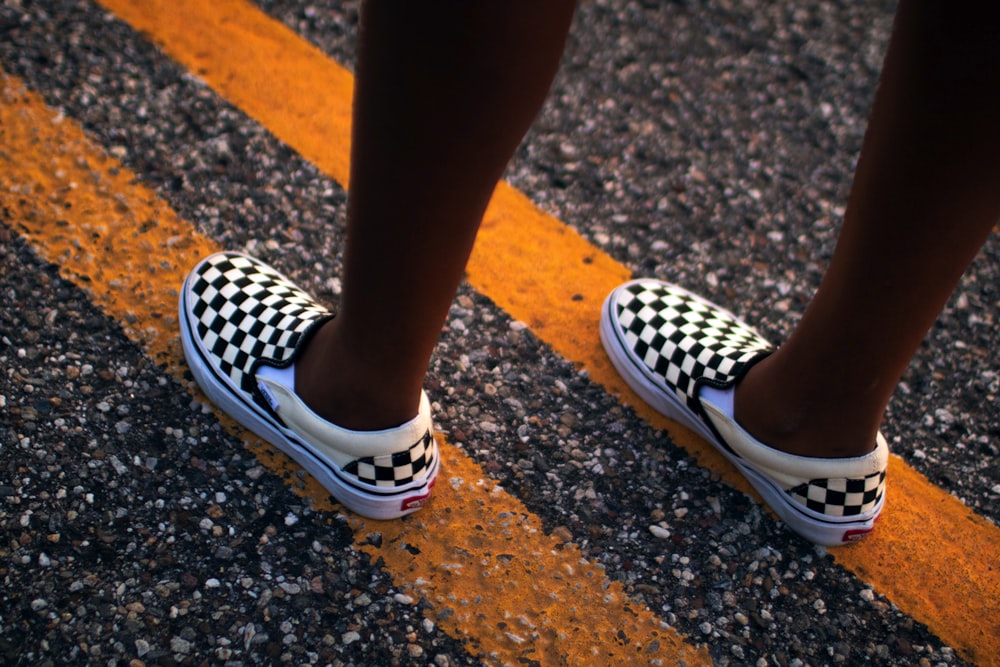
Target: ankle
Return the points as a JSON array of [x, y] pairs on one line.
[[782, 414], [342, 391]]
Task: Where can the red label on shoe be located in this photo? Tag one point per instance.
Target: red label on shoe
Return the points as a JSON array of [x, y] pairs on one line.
[[415, 502], [860, 534], [857, 535]]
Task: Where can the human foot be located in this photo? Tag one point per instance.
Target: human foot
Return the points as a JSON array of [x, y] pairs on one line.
[[242, 327], [685, 356]]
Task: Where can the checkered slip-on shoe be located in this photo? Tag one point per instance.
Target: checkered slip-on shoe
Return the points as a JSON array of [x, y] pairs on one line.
[[684, 356], [242, 326]]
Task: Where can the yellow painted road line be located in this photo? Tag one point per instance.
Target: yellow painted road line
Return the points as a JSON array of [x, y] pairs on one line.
[[543, 273], [482, 554]]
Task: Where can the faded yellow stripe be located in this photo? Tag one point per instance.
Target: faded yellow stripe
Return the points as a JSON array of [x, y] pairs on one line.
[[543, 273], [482, 552]]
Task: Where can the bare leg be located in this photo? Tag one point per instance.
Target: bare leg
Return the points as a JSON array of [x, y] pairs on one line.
[[926, 195], [444, 93]]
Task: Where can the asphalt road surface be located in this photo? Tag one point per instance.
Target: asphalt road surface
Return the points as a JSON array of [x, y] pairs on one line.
[[708, 143]]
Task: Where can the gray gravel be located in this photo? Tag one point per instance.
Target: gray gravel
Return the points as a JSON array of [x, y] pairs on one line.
[[136, 528], [710, 143]]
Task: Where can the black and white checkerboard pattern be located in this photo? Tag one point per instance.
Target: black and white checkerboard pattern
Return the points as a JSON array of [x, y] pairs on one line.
[[245, 312], [840, 496], [398, 469], [682, 338]]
